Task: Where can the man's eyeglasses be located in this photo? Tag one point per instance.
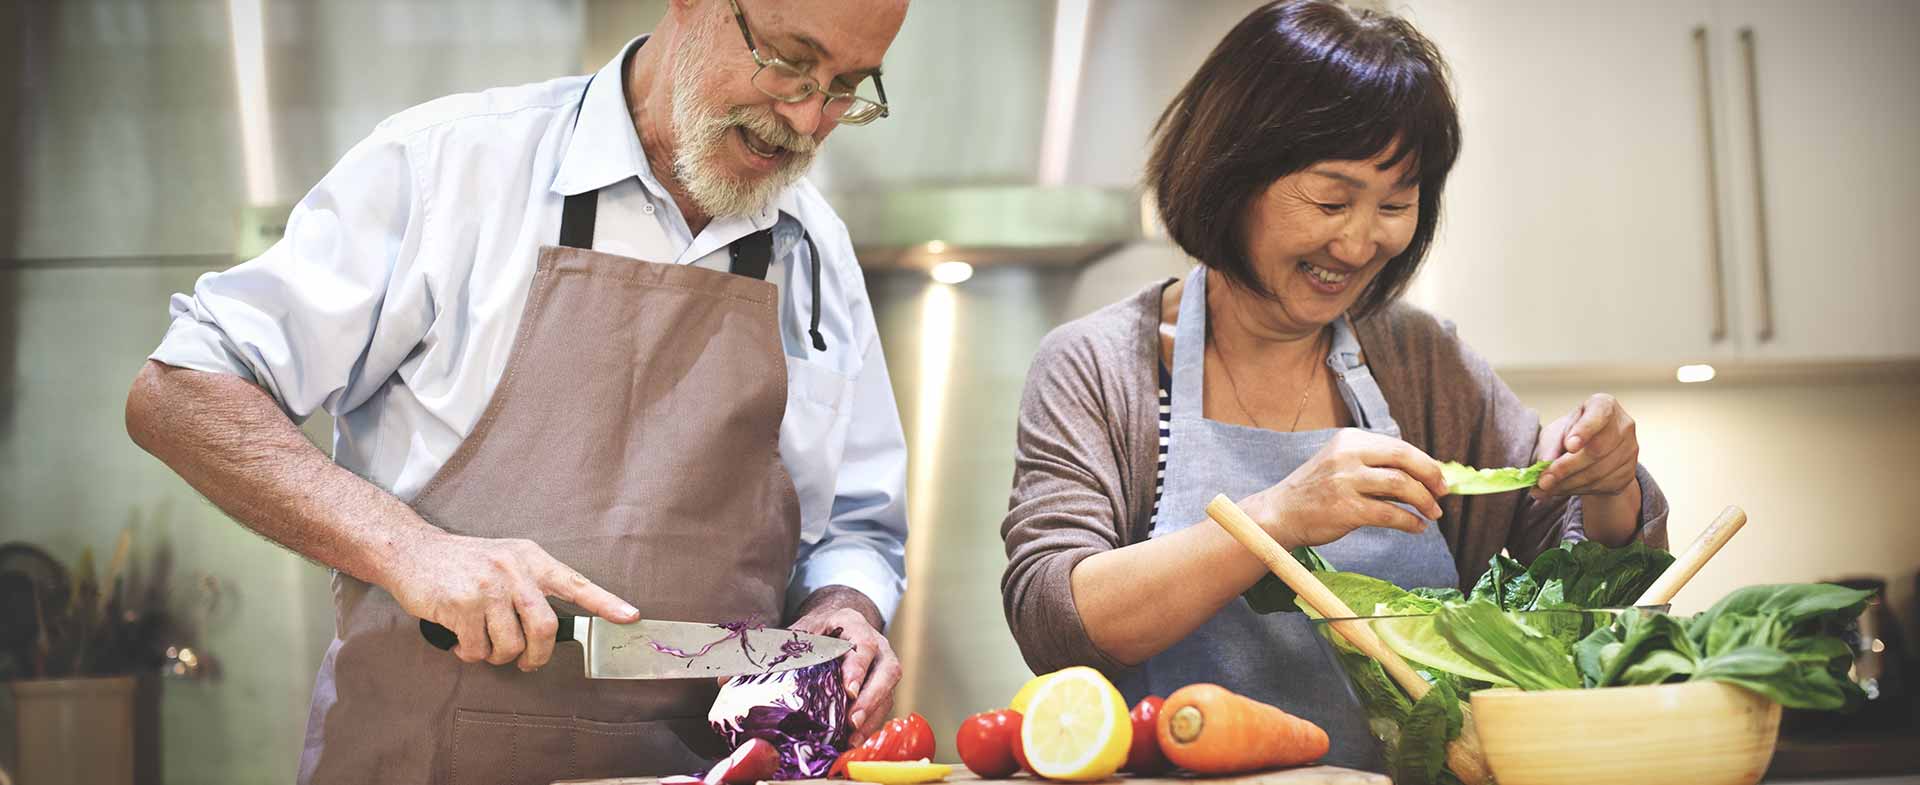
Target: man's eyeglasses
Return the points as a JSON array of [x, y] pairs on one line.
[[788, 83]]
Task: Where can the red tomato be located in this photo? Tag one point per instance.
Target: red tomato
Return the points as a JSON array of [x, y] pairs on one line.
[[986, 743], [1145, 757], [919, 738], [839, 768], [885, 743], [1019, 747], [907, 738]]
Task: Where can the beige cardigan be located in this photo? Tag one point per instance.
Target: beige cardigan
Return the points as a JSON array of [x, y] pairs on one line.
[[1088, 442]]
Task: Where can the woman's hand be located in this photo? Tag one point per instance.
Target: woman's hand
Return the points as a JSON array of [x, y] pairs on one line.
[[1351, 482], [1593, 448]]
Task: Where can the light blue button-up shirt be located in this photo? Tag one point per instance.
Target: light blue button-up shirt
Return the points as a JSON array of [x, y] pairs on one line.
[[393, 299]]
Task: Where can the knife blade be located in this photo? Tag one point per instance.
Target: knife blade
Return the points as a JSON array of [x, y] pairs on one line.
[[658, 649]]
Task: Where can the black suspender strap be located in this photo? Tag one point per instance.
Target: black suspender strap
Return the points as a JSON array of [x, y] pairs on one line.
[[752, 255], [576, 219]]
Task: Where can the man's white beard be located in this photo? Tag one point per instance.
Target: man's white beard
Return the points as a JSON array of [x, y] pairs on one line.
[[700, 137]]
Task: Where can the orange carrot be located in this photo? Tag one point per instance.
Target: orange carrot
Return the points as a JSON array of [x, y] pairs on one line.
[[1206, 729]]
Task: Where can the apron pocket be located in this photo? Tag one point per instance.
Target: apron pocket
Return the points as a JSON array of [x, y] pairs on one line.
[[653, 748], [509, 749]]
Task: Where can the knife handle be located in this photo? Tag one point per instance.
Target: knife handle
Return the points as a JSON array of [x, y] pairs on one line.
[[444, 639]]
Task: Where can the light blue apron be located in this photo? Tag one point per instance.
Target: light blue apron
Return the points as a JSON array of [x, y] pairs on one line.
[[1277, 658]]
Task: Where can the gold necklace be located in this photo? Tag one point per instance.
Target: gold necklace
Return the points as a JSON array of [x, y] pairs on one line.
[[1306, 390]]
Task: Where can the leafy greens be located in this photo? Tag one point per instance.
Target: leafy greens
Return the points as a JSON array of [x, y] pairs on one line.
[[1467, 481], [1535, 627]]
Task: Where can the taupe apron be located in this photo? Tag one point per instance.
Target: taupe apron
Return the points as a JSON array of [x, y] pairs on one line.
[[635, 436]]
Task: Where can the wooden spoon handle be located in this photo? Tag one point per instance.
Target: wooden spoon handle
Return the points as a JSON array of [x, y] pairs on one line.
[[1235, 520], [1695, 557]]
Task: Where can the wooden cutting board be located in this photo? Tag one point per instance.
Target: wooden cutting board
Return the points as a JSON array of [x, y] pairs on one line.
[[1313, 775]]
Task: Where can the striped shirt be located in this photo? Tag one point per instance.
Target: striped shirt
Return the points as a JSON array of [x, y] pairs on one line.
[[1166, 433]]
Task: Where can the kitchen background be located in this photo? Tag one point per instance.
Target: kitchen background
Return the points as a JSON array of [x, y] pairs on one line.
[[1644, 186]]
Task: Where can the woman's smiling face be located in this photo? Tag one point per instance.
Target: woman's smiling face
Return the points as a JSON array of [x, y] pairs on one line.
[[1319, 236]]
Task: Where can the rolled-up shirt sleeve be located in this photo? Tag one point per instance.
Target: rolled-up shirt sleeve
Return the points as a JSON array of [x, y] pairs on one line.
[[864, 546], [317, 320]]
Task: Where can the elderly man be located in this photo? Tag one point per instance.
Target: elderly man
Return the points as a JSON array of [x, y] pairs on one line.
[[592, 339]]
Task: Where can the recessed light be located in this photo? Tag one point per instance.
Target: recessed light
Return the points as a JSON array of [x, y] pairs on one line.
[[1692, 374], [952, 271]]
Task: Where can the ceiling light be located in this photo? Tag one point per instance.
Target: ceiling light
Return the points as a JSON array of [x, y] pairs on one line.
[[1690, 374], [952, 271], [935, 246]]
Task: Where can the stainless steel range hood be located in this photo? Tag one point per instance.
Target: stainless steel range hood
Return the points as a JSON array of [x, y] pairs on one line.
[[986, 225]]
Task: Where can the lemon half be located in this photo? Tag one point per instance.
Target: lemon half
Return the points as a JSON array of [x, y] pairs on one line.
[[1076, 727]]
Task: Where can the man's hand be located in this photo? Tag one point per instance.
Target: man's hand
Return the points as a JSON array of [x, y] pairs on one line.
[[492, 593], [872, 670]]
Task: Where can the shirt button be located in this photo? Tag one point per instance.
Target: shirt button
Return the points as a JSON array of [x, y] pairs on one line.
[[648, 209]]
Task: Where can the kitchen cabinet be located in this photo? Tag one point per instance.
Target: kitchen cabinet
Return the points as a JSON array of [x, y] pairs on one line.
[[1833, 102], [1611, 207]]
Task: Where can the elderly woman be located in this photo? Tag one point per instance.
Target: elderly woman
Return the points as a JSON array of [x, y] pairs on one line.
[[1302, 166]]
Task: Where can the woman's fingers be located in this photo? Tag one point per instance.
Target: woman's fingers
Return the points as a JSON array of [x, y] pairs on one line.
[[1385, 452], [1392, 516], [1600, 472], [1553, 437], [1595, 415], [1600, 443], [1396, 485]]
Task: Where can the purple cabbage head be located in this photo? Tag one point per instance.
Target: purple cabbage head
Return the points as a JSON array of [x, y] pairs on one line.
[[802, 712]]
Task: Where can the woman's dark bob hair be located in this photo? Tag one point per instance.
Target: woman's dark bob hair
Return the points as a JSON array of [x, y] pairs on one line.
[[1295, 83]]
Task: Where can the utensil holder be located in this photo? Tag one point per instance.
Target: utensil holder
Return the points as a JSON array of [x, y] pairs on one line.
[[75, 731]]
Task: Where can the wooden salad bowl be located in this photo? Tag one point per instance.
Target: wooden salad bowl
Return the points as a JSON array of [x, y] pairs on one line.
[[1691, 733]]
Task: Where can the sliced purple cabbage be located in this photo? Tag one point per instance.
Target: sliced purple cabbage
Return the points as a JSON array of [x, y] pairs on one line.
[[802, 712]]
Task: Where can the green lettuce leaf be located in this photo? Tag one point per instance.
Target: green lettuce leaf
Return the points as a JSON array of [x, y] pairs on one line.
[[1493, 640], [1468, 481], [1421, 756], [1492, 585]]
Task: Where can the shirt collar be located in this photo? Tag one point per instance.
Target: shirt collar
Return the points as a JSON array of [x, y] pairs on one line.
[[604, 148], [1344, 354]]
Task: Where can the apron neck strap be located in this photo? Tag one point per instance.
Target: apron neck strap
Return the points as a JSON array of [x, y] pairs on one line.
[[576, 219], [1190, 346]]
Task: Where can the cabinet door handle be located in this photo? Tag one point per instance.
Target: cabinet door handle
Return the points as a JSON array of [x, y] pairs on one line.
[[1715, 264], [1763, 263]]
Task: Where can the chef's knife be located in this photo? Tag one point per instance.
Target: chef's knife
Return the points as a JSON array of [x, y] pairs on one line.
[[652, 649]]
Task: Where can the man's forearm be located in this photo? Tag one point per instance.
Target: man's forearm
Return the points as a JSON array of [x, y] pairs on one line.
[[230, 441], [835, 597]]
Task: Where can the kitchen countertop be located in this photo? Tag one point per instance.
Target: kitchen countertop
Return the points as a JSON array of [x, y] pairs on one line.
[[1890, 754]]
